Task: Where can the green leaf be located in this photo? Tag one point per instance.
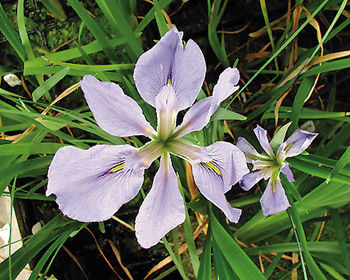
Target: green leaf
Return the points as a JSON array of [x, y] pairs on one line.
[[49, 83], [240, 263], [36, 243], [55, 8], [278, 139], [225, 114], [29, 148], [341, 163], [204, 272]]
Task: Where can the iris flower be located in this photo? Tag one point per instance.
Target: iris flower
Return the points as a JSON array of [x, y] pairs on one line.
[[91, 185], [268, 166]]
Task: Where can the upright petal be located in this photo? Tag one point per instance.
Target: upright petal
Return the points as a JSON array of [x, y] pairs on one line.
[[251, 179], [200, 113], [298, 142], [274, 202], [91, 185], [227, 84], [163, 208], [188, 74], [114, 112], [154, 68], [247, 149], [261, 134], [196, 117], [166, 105], [216, 177]]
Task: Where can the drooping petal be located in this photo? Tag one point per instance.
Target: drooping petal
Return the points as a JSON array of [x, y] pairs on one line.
[[261, 134], [198, 116], [216, 177], [288, 172], [247, 149], [154, 68], [298, 142], [274, 202], [163, 208], [114, 112], [188, 74], [91, 185], [251, 179]]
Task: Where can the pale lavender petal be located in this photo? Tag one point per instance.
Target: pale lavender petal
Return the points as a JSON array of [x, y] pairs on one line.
[[274, 202], [198, 116], [216, 177], [91, 185], [114, 112], [288, 172], [163, 208], [247, 149], [298, 142], [250, 179], [227, 84], [261, 134], [154, 68], [188, 74]]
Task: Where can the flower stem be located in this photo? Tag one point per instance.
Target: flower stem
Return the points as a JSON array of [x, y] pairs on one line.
[[296, 221]]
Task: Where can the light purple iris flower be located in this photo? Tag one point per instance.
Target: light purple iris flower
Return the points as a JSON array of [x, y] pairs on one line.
[[269, 166], [91, 185]]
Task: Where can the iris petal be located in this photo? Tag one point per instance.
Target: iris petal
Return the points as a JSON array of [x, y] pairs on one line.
[[91, 185], [274, 202], [288, 172], [111, 109], [229, 167], [163, 208], [154, 68], [247, 149], [198, 116], [298, 142], [261, 134], [188, 74], [251, 179]]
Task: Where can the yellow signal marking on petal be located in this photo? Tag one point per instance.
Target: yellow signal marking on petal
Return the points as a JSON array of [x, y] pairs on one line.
[[116, 168], [288, 147], [213, 167], [169, 81]]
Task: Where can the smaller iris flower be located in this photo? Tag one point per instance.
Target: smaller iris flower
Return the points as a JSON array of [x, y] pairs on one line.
[[268, 166], [91, 185]]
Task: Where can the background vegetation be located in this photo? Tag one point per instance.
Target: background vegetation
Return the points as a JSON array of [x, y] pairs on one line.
[[293, 57]]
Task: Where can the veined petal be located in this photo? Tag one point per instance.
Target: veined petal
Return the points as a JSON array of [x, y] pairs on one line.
[[114, 112], [288, 172], [298, 142], [251, 179], [163, 208], [248, 150], [188, 74], [274, 202], [91, 185], [261, 134], [198, 116], [216, 177], [154, 68]]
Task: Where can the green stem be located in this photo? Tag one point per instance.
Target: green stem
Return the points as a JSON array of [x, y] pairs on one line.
[[296, 221]]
